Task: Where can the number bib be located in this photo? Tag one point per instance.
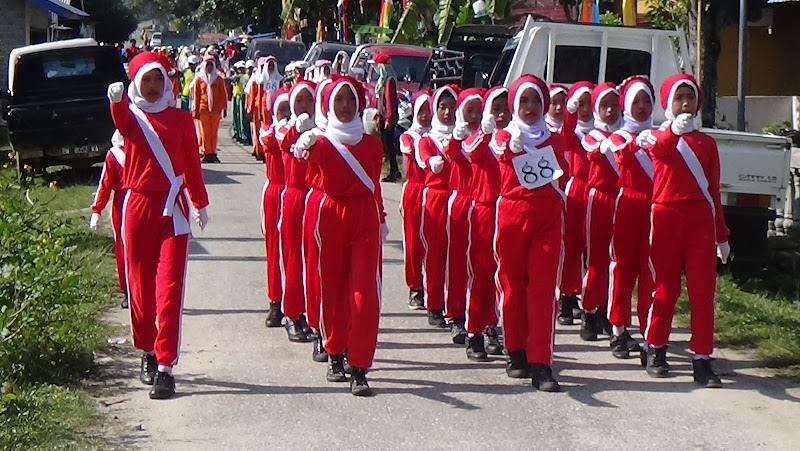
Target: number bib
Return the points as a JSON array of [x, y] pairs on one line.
[[538, 168]]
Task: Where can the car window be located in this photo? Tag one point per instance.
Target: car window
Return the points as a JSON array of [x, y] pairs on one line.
[[284, 52], [407, 68], [67, 66], [622, 63], [576, 63]]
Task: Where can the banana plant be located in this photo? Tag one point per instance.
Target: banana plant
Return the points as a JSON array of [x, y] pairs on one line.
[[448, 13]]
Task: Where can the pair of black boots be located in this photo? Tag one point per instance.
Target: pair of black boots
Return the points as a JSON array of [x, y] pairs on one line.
[[480, 347], [298, 331], [163, 384], [338, 371], [541, 375], [655, 362]]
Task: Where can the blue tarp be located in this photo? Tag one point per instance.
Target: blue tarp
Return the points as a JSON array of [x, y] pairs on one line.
[[62, 9]]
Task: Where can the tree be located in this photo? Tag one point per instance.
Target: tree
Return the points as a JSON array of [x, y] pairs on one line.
[[114, 21]]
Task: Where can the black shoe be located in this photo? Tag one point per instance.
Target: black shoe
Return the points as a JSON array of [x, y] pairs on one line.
[[457, 332], [259, 157], [619, 347], [336, 369], [657, 365], [163, 386], [295, 330], [392, 177], [476, 351], [215, 158], [319, 354], [643, 356], [436, 318], [517, 366], [148, 369], [416, 300], [565, 304], [492, 341], [306, 328], [542, 378], [704, 374], [275, 315], [576, 307], [358, 383], [588, 326], [633, 345], [207, 159], [124, 303], [603, 325]]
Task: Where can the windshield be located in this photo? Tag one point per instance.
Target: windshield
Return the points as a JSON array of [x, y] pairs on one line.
[[408, 68], [284, 52]]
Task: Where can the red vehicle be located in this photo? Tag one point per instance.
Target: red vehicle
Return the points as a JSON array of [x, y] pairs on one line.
[[408, 61]]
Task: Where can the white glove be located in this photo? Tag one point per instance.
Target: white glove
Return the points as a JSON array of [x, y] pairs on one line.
[[115, 91], [304, 142], [488, 124], [460, 132], [384, 232], [645, 139], [282, 123], [94, 222], [201, 218], [516, 143], [436, 163], [723, 251], [572, 104], [304, 123], [684, 123]]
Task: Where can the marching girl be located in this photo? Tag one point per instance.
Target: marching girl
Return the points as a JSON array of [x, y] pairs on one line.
[[111, 182], [271, 204], [160, 164], [481, 290], [270, 82], [290, 224], [555, 113], [209, 105], [253, 92], [411, 201], [687, 225], [351, 227], [631, 223], [528, 239], [603, 189], [434, 160]]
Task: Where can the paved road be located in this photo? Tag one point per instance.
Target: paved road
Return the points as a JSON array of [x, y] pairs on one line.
[[243, 387]]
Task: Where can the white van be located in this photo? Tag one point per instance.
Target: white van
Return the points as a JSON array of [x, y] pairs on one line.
[[155, 39]]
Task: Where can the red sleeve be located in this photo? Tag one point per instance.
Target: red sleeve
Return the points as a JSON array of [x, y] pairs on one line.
[[559, 151], [712, 173], [569, 137], [426, 151], [390, 99], [193, 173], [406, 143], [289, 139], [500, 145], [665, 145], [106, 185], [477, 147], [376, 175], [122, 116], [452, 148], [271, 144], [624, 152]]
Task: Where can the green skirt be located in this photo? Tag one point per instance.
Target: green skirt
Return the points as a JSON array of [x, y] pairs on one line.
[[241, 124]]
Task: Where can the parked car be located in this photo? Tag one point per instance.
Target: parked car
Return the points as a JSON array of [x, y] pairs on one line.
[[57, 109], [482, 46], [284, 51], [155, 40], [327, 51], [408, 61]]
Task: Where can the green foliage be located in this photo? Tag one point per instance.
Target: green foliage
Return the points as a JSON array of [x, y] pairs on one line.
[[667, 14], [609, 18], [776, 127], [446, 17], [115, 21]]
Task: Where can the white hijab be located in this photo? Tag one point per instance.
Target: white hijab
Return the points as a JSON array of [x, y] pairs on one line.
[[167, 98], [416, 127], [271, 80], [320, 119], [532, 134], [349, 133], [599, 123], [208, 78], [629, 123], [440, 131]]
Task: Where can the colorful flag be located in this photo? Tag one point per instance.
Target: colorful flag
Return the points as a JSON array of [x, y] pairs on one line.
[[321, 31], [586, 11], [386, 14], [341, 6], [628, 12], [596, 12]]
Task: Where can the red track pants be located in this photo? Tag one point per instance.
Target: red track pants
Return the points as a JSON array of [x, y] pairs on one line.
[[350, 263], [291, 244], [481, 288], [683, 240], [458, 209], [574, 237], [270, 213], [414, 252], [434, 240], [311, 256], [156, 270], [119, 246], [528, 247], [630, 252], [599, 228]]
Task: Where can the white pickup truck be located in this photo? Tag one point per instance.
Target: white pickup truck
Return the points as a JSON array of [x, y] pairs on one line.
[[754, 168]]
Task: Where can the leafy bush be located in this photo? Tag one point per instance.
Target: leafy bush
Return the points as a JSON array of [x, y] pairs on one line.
[[609, 18]]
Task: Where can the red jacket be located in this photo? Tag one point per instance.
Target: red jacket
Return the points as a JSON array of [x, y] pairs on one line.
[[635, 167], [294, 170], [429, 147], [603, 169], [273, 159], [485, 168], [409, 143], [511, 187], [460, 168], [110, 182]]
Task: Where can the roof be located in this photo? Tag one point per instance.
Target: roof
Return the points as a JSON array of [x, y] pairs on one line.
[[62, 8], [47, 46]]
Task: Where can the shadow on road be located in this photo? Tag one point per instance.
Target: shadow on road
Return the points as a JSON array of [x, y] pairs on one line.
[[216, 177]]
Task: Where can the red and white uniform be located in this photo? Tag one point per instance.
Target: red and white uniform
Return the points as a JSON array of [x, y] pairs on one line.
[[160, 162], [552, 123], [111, 184], [630, 248], [687, 223], [435, 198], [577, 191], [254, 95], [271, 200], [411, 199], [528, 240], [349, 225], [603, 189], [290, 223]]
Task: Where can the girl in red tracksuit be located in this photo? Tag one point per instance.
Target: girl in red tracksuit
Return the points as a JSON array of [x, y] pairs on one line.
[[577, 123], [528, 239], [555, 114], [290, 224], [271, 203], [160, 164], [111, 182], [435, 162], [631, 224], [468, 121], [481, 289], [351, 227], [411, 200], [687, 224], [603, 189]]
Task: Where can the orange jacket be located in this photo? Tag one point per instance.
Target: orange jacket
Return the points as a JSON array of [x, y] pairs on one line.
[[200, 100]]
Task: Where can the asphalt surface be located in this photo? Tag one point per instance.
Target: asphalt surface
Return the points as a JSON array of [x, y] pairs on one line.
[[244, 387]]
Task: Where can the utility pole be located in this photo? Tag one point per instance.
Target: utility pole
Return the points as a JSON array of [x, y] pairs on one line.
[[740, 111]]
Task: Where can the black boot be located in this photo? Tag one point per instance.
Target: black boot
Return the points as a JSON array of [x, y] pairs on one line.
[[436, 318], [124, 302], [163, 386], [619, 347], [319, 354], [457, 332], [492, 341], [336, 369], [148, 369], [295, 330], [306, 328], [517, 366], [603, 325], [274, 316], [358, 383], [475, 349], [392, 177], [657, 365], [416, 299], [704, 374], [542, 378], [565, 304], [633, 345], [588, 326]]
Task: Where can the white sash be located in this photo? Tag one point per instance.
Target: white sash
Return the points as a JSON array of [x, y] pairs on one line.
[[119, 155], [697, 170], [605, 149], [537, 168], [644, 162], [440, 147], [351, 161]]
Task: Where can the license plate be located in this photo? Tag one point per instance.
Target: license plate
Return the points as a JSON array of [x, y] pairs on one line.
[[78, 150]]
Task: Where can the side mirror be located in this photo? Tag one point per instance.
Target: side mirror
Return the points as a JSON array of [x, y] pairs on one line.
[[358, 73]]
